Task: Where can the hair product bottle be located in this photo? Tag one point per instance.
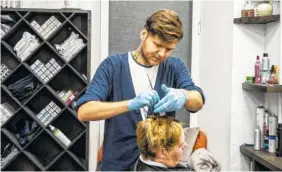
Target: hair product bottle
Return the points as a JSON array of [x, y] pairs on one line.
[[60, 135]]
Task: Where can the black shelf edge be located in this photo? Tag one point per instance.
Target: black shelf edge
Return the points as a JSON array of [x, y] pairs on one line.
[[56, 96], [262, 88], [11, 138], [265, 158], [56, 31], [257, 19], [10, 49], [55, 139], [12, 29], [10, 94], [55, 51], [76, 139], [34, 51], [78, 74], [54, 160], [11, 116], [75, 115], [66, 10], [33, 159], [33, 94], [33, 116], [32, 28], [74, 157], [78, 30]]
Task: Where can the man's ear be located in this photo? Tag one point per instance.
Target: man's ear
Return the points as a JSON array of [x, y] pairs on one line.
[[143, 34]]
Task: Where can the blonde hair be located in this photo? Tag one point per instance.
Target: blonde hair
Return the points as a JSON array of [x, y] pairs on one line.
[[157, 132], [166, 24]]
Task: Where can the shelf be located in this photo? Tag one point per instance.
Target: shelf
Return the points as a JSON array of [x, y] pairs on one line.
[[67, 90], [262, 88], [44, 149], [66, 163], [257, 19], [22, 84], [20, 126], [45, 63], [78, 150], [44, 106], [30, 90], [79, 62], [266, 159], [9, 20], [8, 151], [21, 163], [45, 23], [63, 122], [80, 21], [9, 105], [68, 42], [16, 39], [8, 62]]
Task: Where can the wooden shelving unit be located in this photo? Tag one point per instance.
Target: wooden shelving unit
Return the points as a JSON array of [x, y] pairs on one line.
[[257, 19], [262, 88], [262, 160], [42, 151]]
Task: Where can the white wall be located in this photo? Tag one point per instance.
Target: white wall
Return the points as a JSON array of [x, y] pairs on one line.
[[215, 76], [249, 41]]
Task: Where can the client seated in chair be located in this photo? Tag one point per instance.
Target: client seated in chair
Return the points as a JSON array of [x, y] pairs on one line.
[[161, 143]]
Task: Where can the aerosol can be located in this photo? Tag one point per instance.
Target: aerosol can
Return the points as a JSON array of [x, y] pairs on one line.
[[272, 133]]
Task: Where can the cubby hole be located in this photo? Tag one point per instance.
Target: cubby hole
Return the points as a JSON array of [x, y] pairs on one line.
[[66, 163], [22, 128], [64, 121], [44, 106], [80, 63], [44, 149], [8, 20], [21, 163], [8, 62], [22, 84], [8, 150], [68, 42], [80, 21], [45, 63], [45, 23], [8, 107], [79, 149], [67, 89], [23, 40]]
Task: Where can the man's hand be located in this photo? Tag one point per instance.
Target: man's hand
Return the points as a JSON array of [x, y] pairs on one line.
[[148, 98], [172, 101]]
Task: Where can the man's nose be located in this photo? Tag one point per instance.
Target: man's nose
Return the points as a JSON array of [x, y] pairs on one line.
[[161, 52]]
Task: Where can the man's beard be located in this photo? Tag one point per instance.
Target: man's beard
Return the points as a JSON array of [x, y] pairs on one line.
[[145, 58]]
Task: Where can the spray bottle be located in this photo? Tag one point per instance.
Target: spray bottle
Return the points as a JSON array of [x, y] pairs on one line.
[[60, 135]]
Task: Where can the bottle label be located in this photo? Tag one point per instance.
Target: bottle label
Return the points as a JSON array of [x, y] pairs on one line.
[[62, 138]]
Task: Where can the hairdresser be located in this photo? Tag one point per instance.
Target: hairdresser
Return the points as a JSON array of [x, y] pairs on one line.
[[129, 86]]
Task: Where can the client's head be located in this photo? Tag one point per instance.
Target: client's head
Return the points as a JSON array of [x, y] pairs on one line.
[[161, 139]]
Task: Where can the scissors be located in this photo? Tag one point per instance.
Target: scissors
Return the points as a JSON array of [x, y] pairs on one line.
[[151, 109]]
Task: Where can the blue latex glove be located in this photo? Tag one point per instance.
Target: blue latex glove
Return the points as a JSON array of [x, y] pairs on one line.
[[172, 101], [148, 98]]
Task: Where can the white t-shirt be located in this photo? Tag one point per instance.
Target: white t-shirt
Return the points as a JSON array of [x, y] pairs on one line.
[[140, 79]]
